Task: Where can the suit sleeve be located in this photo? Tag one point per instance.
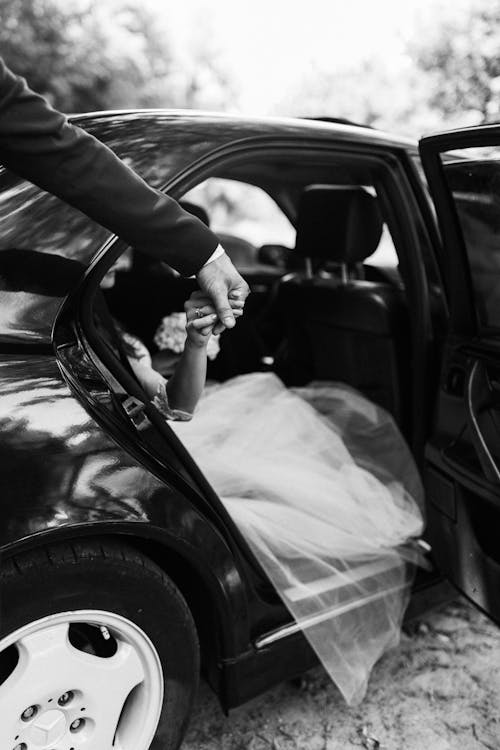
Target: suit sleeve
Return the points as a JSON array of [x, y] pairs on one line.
[[39, 144]]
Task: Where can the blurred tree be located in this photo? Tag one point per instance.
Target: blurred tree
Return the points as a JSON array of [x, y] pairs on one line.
[[461, 55], [370, 93], [85, 55], [207, 85], [204, 80]]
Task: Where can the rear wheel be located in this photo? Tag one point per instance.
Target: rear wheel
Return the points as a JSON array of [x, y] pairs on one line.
[[98, 651]]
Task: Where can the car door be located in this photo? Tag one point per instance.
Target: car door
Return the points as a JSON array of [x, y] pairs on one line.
[[462, 462]]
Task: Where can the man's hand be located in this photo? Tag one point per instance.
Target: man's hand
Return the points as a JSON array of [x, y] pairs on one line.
[[219, 279]]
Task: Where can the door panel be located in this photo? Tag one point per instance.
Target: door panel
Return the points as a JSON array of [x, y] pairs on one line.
[[462, 469], [483, 417]]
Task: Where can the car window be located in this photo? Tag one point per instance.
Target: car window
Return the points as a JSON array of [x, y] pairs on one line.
[[385, 256], [475, 187], [244, 216]]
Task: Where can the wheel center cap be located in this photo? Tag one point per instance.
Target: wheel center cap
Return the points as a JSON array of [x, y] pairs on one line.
[[48, 728]]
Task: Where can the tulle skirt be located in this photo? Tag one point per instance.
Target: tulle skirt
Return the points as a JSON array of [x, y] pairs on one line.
[[324, 488]]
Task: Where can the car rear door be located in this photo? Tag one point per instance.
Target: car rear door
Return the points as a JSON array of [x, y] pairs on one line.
[[462, 464]]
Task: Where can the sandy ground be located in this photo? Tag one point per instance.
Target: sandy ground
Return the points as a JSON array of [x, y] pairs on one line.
[[440, 690]]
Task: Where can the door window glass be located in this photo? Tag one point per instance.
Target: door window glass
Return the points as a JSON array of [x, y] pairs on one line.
[[473, 176]]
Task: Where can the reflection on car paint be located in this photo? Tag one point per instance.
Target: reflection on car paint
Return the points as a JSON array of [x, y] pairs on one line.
[[59, 468], [56, 457]]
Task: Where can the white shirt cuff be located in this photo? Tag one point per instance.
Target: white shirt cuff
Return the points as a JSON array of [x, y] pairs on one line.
[[219, 250]]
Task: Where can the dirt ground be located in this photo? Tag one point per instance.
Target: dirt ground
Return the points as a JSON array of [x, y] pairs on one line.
[[440, 690]]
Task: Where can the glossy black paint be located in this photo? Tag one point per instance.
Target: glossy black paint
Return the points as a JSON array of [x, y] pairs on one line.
[[61, 471]]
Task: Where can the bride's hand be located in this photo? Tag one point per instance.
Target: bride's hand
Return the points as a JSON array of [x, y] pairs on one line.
[[202, 317]]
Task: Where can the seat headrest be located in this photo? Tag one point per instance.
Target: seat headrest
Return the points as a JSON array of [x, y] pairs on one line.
[[340, 224]]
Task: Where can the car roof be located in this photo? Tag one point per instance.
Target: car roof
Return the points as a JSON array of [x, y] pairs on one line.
[[243, 126]]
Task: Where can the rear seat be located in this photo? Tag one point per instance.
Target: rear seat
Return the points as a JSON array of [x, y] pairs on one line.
[[339, 327]]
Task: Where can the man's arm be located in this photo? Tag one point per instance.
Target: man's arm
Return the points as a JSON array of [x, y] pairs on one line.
[[38, 143]]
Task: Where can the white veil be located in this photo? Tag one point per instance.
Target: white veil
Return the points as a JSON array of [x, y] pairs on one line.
[[330, 502]]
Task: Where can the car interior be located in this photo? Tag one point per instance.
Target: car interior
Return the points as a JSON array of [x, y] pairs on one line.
[[320, 308]]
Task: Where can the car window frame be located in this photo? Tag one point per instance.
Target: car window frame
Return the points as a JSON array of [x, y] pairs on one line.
[[402, 230], [391, 165]]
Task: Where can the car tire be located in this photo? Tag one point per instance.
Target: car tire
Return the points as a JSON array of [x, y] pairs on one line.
[[96, 644]]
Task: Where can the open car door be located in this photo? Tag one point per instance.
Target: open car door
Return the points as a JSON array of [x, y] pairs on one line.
[[462, 467]]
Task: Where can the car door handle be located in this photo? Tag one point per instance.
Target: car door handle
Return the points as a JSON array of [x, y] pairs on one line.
[[455, 381], [479, 397]]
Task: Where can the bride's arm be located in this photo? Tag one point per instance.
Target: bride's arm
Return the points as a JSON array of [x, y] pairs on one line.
[[185, 386], [177, 397]]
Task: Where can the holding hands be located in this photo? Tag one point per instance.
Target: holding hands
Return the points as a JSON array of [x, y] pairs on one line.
[[219, 281], [202, 316], [177, 397]]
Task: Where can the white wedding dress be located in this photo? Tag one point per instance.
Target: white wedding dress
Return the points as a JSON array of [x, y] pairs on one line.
[[324, 489]]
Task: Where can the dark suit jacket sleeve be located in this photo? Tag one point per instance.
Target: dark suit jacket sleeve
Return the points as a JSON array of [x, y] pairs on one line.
[[38, 143]]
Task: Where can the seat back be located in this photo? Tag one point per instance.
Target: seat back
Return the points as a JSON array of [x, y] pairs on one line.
[[341, 327]]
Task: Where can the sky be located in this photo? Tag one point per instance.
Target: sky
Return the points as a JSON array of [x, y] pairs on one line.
[[269, 44]]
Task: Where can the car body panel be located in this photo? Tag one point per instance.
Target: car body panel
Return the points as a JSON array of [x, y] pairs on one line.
[[64, 479], [62, 473]]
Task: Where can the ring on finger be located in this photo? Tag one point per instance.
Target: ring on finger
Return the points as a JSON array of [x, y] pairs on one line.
[[198, 312]]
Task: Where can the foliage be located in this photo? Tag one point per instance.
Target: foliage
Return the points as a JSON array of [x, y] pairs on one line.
[[461, 56], [89, 55], [111, 54], [348, 93], [206, 83], [370, 93], [447, 76], [83, 55]]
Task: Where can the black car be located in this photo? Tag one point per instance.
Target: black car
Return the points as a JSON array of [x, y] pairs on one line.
[[122, 575]]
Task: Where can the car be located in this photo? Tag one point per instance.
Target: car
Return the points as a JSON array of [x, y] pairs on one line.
[[372, 261]]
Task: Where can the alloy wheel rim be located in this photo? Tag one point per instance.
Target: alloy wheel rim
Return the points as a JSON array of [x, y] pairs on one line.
[[61, 696]]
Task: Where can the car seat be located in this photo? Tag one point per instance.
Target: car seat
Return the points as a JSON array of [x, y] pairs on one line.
[[339, 326]]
